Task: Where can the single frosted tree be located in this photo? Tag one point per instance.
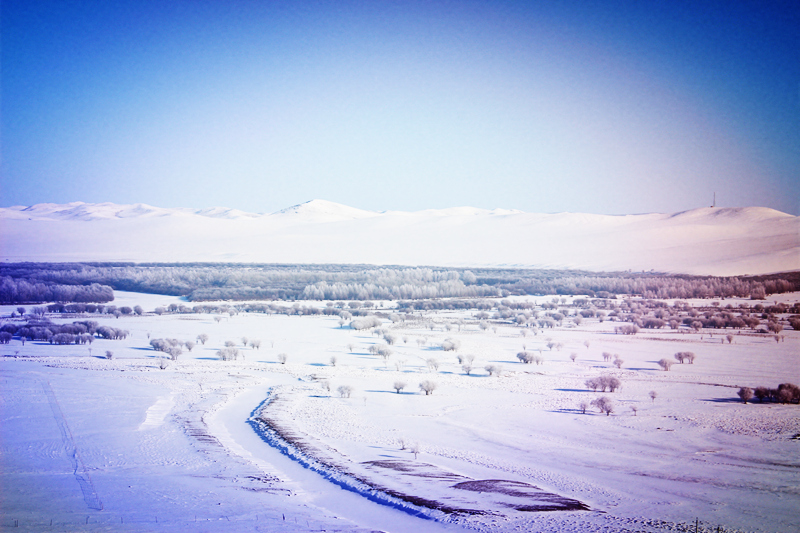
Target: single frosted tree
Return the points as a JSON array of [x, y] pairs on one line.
[[109, 354], [202, 338], [634, 409], [282, 357], [729, 337], [586, 343], [665, 364], [333, 360], [433, 364], [345, 391], [427, 387], [189, 345], [583, 406], [244, 341], [138, 310], [230, 344], [467, 368], [399, 385], [618, 362], [653, 395], [746, 394], [573, 356]]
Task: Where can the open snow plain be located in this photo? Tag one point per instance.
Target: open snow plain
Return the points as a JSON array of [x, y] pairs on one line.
[[90, 444]]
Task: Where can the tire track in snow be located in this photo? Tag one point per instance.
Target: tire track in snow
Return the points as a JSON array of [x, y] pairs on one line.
[[79, 469]]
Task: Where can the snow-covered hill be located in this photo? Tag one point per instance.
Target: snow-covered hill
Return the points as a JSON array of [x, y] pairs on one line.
[[720, 241]]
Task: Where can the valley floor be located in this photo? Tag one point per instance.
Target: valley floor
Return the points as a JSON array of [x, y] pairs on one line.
[[91, 444]]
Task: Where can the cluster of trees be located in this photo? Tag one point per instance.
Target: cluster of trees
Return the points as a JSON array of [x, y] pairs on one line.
[[22, 291], [204, 282], [785, 393], [82, 332], [603, 382]]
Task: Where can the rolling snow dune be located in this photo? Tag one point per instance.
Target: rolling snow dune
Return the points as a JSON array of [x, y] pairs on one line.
[[711, 241]]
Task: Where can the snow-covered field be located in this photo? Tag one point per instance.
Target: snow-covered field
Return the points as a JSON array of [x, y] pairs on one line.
[[705, 241], [90, 444]]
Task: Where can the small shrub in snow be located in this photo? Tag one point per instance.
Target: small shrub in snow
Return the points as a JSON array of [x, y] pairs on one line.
[[109, 354], [464, 359], [427, 387], [450, 345], [665, 364], [345, 391], [399, 385], [494, 370]]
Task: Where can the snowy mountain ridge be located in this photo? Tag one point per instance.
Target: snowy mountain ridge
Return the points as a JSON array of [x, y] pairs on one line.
[[718, 241]]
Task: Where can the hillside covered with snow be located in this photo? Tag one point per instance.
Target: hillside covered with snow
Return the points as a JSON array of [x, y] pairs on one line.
[[713, 241]]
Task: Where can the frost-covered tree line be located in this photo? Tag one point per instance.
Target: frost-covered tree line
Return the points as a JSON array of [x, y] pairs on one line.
[[80, 332], [204, 282], [13, 291]]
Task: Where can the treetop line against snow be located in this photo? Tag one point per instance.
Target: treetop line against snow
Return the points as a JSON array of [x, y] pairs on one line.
[[28, 283]]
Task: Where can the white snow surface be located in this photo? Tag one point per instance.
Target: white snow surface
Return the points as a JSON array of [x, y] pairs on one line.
[[90, 444], [710, 241]]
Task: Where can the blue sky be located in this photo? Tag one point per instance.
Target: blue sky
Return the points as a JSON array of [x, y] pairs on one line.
[[601, 107]]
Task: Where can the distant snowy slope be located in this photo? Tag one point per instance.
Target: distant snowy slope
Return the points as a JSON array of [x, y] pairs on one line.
[[719, 241]]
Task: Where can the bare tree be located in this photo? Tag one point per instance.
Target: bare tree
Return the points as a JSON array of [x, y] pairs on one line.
[[729, 337], [202, 338], [255, 343], [433, 364], [665, 364], [634, 409], [189, 345], [427, 387], [583, 406], [351, 347], [345, 391], [333, 360], [653, 395], [230, 344], [573, 356], [282, 357], [109, 354], [399, 385], [618, 362]]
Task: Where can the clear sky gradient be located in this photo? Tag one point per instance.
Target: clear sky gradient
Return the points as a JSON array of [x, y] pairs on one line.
[[602, 107]]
